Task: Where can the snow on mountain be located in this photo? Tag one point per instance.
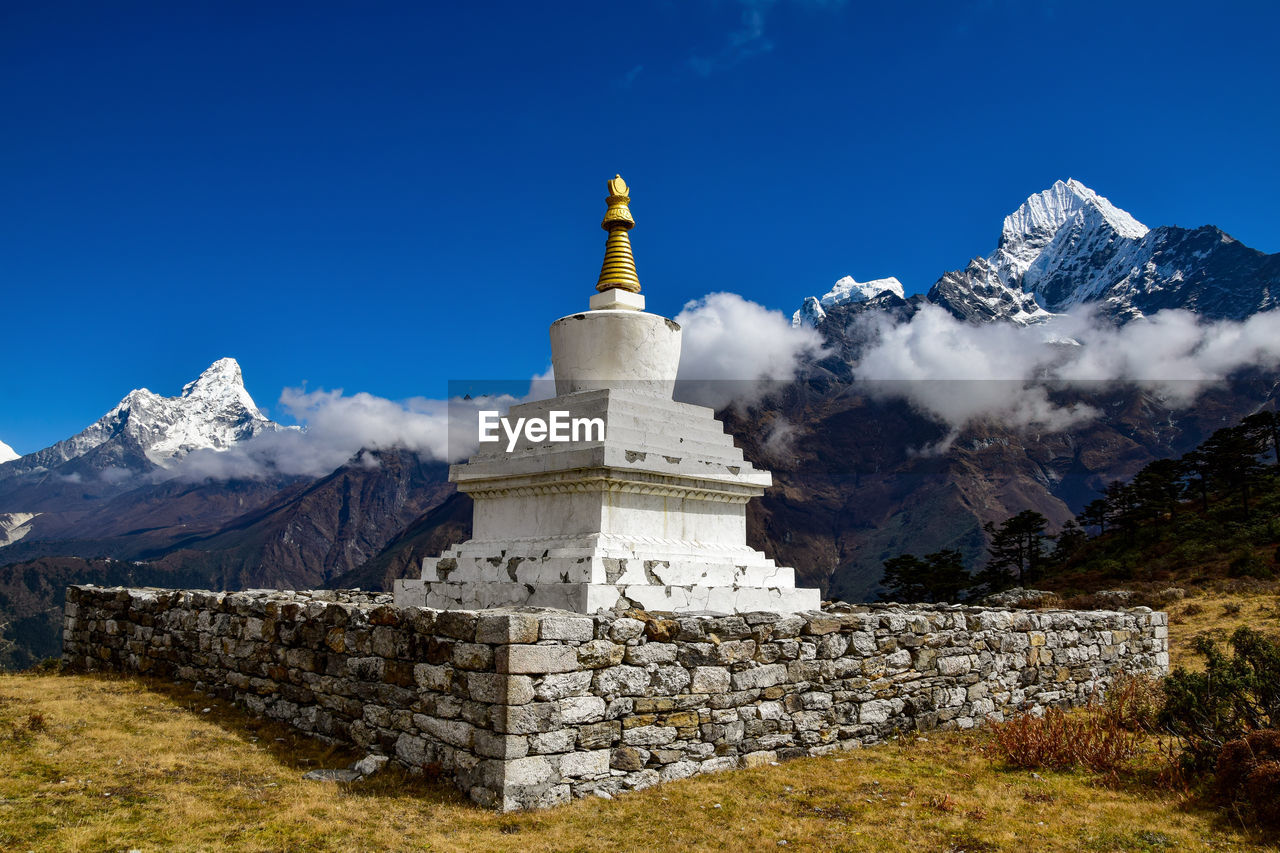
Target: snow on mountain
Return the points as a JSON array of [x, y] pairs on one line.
[[7, 453], [213, 412], [146, 429], [15, 525], [844, 292], [1061, 248], [980, 294], [1068, 246], [1039, 222]]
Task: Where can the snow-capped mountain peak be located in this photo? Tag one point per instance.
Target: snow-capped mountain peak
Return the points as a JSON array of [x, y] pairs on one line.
[[845, 291], [213, 412], [1047, 211], [7, 452], [1068, 246], [146, 430], [1062, 247], [1068, 212], [220, 376], [848, 290], [223, 383]]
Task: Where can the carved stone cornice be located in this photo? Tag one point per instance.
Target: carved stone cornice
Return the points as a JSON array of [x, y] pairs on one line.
[[611, 481]]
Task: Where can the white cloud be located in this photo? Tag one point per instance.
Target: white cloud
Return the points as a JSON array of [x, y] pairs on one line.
[[337, 429], [779, 440], [1172, 351], [115, 475], [732, 348], [749, 39], [960, 373], [735, 350]]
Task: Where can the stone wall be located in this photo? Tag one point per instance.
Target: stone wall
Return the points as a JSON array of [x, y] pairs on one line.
[[528, 708]]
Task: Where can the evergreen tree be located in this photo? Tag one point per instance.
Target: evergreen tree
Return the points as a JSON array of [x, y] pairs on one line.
[[1157, 490], [1264, 427], [940, 576], [1121, 505], [1094, 514], [1068, 542], [1230, 476], [1195, 473], [1015, 551], [1232, 455], [904, 578]]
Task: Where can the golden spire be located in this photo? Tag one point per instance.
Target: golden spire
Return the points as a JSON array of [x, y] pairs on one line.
[[619, 269]]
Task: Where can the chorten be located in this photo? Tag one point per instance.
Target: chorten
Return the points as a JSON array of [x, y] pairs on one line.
[[649, 511]]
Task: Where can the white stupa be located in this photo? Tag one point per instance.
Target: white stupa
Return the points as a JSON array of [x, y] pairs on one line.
[[649, 514]]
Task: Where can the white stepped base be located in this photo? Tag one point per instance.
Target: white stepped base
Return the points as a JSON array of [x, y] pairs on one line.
[[590, 597], [605, 559]]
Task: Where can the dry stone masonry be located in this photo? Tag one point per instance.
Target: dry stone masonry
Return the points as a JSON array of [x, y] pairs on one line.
[[527, 708]]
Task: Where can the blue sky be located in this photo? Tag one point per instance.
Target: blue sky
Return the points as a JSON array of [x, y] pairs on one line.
[[384, 197]]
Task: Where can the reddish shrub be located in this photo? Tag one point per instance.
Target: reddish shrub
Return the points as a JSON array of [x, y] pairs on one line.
[[1059, 740], [1262, 789], [1248, 771], [1133, 703]]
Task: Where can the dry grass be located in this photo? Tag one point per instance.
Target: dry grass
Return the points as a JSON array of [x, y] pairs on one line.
[[118, 764], [1217, 614], [102, 763]]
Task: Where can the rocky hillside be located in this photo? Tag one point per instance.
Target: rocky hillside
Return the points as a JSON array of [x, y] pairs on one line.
[[302, 536], [855, 489]]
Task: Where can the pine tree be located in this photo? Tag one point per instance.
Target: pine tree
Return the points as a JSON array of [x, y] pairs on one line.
[[1094, 514], [940, 576], [1121, 503], [1068, 542], [1264, 427], [1015, 551], [904, 578], [1232, 456], [1157, 490], [1195, 468]]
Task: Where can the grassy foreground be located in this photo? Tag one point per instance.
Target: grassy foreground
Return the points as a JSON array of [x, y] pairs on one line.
[[106, 763]]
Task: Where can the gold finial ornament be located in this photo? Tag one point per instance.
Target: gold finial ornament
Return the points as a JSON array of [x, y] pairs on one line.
[[619, 269]]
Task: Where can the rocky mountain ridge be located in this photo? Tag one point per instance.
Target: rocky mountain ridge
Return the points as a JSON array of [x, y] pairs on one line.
[[846, 291], [1068, 247], [146, 431]]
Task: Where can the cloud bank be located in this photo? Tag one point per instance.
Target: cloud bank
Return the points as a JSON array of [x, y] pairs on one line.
[[336, 427], [731, 348], [960, 373], [735, 351]]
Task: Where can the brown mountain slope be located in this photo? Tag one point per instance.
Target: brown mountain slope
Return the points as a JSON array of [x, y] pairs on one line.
[[336, 523], [440, 527], [889, 495], [857, 484]]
